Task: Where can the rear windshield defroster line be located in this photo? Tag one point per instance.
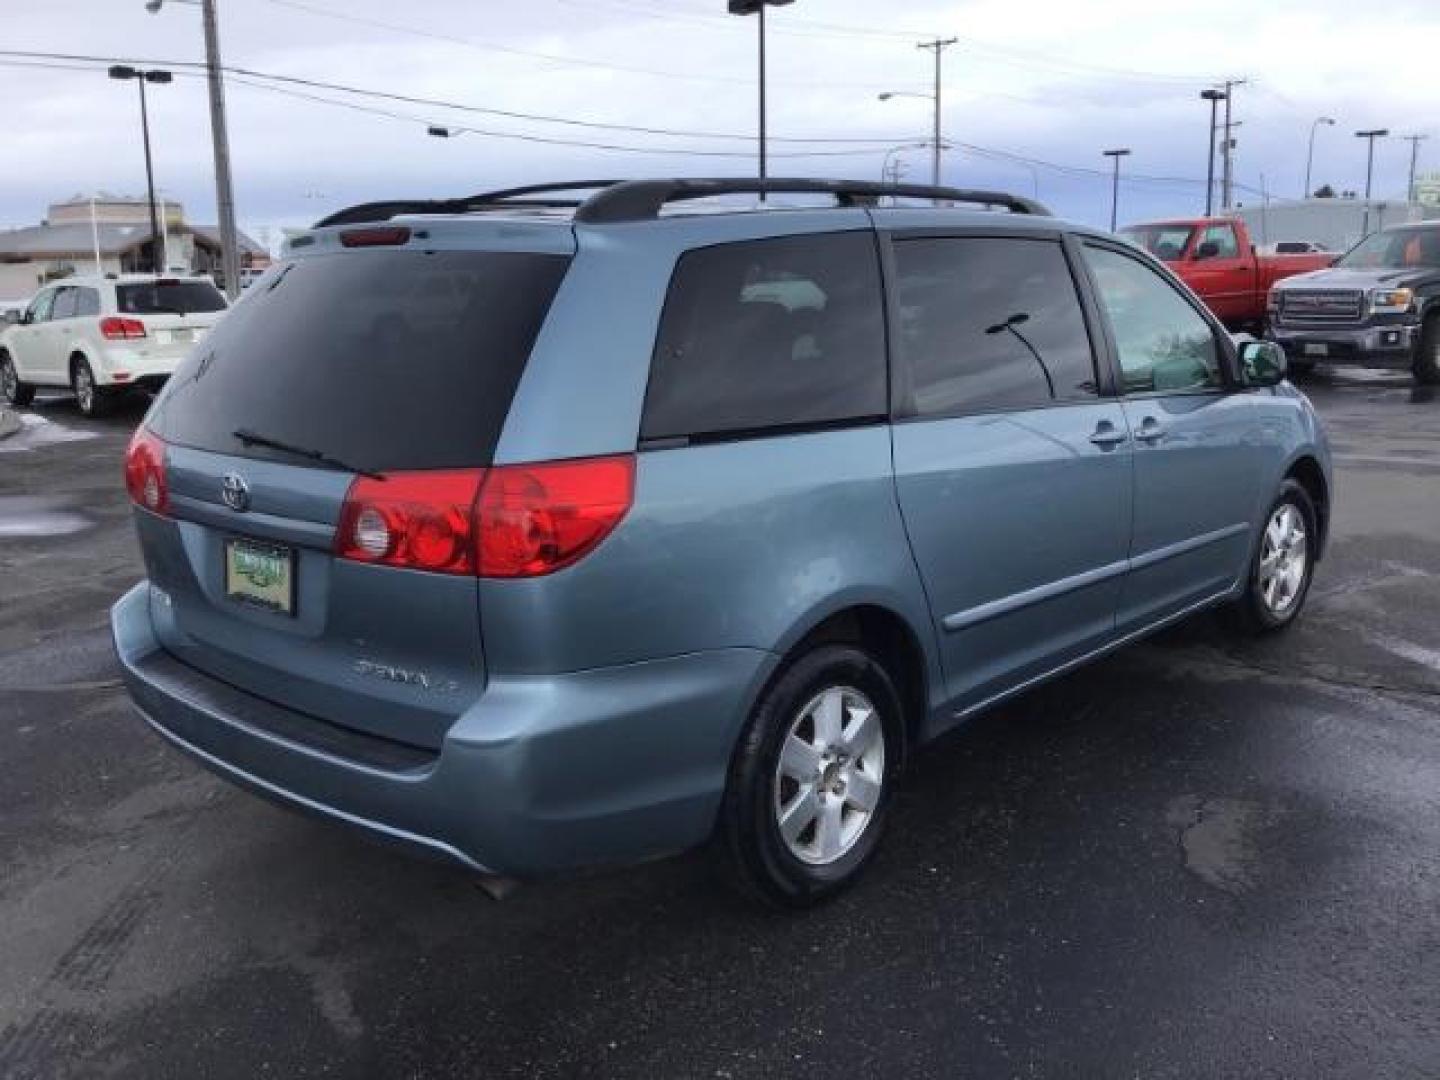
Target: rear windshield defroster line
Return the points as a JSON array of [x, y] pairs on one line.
[[393, 359]]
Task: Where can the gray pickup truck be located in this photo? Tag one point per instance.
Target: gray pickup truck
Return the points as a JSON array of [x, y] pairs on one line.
[[1378, 306]]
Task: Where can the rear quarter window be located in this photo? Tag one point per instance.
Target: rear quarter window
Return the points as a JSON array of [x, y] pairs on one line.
[[770, 334]]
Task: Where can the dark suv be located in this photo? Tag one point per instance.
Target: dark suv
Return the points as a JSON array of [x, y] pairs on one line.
[[539, 531]]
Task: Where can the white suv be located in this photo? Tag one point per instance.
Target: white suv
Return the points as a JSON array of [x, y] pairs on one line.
[[101, 335]]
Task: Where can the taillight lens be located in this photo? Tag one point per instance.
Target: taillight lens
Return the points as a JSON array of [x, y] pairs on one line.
[[119, 328], [418, 520], [536, 519], [145, 472], [508, 521]]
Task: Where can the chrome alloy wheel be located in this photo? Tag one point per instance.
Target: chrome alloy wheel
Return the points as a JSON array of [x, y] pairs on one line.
[[84, 388], [9, 381], [830, 774], [1284, 560]]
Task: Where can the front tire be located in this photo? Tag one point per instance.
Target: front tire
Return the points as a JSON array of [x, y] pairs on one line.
[[1282, 566], [94, 401], [15, 392], [810, 784], [1427, 359]]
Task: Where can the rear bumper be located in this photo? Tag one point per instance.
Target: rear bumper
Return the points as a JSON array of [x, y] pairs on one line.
[[542, 774], [1389, 346], [145, 366]]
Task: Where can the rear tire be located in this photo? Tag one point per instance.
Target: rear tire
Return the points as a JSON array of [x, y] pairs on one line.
[[94, 401], [15, 392], [1427, 359], [1282, 566], [810, 783]]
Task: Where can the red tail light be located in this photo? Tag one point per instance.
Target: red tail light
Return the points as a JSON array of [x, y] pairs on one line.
[[508, 521], [383, 236], [119, 328], [536, 519], [419, 520], [145, 472]]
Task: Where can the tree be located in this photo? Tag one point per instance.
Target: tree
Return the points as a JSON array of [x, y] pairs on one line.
[[1325, 191]]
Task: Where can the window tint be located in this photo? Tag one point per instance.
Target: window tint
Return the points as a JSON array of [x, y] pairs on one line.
[[40, 306], [990, 323], [384, 359], [1163, 342], [1223, 237], [87, 303], [64, 304], [168, 298], [769, 333]]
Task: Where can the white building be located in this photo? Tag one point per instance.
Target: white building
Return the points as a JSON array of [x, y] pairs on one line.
[[110, 233], [1338, 223]]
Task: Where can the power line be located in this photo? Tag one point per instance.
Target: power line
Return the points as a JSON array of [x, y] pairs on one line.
[[409, 99], [554, 58]]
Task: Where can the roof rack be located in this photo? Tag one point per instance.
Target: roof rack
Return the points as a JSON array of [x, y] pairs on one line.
[[642, 200], [639, 200]]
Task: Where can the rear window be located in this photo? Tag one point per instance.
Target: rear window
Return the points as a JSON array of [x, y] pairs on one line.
[[769, 334], [168, 298], [383, 359]]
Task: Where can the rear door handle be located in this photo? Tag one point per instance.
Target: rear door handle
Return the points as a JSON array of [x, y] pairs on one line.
[[1151, 430], [1107, 435]]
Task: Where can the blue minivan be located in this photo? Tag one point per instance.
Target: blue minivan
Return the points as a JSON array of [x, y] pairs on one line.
[[585, 523]]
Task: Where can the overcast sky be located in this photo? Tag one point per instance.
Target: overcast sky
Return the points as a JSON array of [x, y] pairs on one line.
[[1051, 81]]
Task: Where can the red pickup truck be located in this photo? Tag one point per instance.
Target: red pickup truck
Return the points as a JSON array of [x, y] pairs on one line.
[[1217, 259]]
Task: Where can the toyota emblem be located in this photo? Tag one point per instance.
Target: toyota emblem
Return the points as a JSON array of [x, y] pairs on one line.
[[235, 492]]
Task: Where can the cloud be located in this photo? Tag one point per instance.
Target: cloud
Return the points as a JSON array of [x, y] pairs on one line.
[[1059, 92]]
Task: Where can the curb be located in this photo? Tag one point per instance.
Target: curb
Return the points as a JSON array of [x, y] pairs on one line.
[[9, 423]]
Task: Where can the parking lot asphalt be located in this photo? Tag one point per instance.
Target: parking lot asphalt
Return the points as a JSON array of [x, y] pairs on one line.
[[1199, 858]]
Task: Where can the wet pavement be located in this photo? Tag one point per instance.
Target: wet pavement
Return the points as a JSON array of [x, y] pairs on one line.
[[1200, 857]]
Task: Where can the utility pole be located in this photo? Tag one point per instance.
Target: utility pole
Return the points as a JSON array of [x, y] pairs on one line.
[[1414, 141], [938, 46], [1227, 183], [1213, 96], [1115, 185], [224, 193], [1328, 121]]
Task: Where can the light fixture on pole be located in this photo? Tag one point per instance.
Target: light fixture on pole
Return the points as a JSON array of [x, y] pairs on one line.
[[1370, 136], [1310, 154], [220, 140], [141, 77], [1214, 97], [757, 7], [1115, 155]]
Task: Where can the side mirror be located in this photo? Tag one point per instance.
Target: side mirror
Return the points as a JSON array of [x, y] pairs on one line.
[[1208, 250], [1262, 363]]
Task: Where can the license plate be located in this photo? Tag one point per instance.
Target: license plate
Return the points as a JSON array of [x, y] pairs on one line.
[[171, 337], [260, 574], [1316, 348]]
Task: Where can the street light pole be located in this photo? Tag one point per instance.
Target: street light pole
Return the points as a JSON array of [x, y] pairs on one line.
[[1370, 136], [1214, 97], [1310, 154], [752, 7], [124, 71], [1116, 155], [219, 136]]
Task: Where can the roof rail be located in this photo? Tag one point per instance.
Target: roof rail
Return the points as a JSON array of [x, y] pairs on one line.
[[515, 196], [642, 200]]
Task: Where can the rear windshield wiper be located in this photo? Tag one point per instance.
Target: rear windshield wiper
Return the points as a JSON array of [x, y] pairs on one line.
[[251, 438]]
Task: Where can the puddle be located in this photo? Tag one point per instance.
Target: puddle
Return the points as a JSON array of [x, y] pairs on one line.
[[1219, 839], [26, 517]]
